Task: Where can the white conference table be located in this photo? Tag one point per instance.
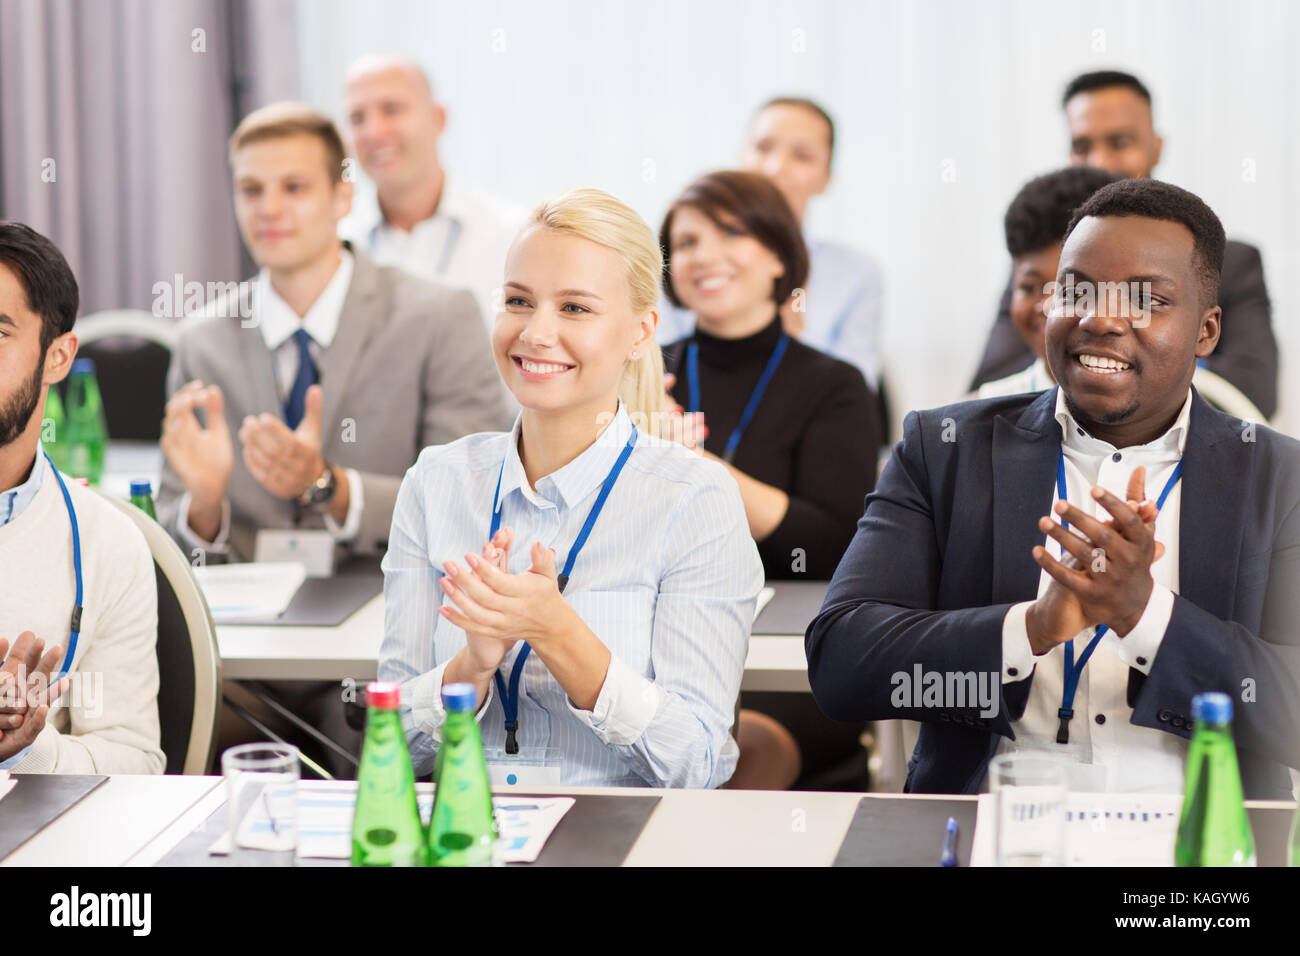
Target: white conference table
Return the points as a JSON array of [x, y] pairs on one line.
[[151, 815], [774, 663]]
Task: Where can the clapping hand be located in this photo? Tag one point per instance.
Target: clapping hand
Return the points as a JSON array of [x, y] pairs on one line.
[[25, 691], [1104, 576]]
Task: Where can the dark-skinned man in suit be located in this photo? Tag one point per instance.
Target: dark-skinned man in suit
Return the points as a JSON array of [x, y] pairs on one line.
[[961, 565]]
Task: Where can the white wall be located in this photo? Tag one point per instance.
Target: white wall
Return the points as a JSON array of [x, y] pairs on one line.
[[639, 97]]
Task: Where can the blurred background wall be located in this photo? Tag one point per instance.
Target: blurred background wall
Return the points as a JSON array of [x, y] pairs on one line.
[[943, 109]]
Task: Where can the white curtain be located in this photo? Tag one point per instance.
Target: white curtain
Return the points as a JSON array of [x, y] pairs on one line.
[[114, 116]]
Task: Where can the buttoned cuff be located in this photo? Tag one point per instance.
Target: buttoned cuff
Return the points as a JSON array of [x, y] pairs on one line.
[[1017, 655], [15, 759], [219, 544], [425, 695], [347, 532], [1139, 647], [625, 706]]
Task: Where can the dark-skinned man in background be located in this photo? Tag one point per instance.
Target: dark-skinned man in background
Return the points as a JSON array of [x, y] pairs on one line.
[[1111, 127]]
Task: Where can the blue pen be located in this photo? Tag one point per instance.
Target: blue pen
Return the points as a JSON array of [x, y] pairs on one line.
[[949, 857]]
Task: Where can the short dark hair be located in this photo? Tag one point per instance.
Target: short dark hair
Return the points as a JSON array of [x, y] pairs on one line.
[[750, 202], [1152, 199], [812, 107], [1104, 80], [1041, 211], [45, 276]]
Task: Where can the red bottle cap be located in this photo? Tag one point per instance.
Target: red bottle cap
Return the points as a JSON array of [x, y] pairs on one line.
[[383, 694]]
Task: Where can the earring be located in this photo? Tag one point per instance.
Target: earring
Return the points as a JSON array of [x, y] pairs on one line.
[[634, 355]]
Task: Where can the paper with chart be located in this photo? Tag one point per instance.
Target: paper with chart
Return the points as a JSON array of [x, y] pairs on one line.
[[1101, 829], [325, 821], [249, 592]]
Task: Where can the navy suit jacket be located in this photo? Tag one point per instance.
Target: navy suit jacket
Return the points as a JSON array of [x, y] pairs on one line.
[[944, 549]]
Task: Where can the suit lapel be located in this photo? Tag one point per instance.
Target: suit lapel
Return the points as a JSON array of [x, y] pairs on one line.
[[359, 319], [1025, 453], [1216, 482], [259, 367]]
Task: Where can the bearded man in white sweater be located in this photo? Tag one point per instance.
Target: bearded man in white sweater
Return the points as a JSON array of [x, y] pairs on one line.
[[89, 705]]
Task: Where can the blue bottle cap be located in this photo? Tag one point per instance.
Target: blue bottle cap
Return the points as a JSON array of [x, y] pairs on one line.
[[1213, 708], [83, 366], [141, 486], [460, 697]]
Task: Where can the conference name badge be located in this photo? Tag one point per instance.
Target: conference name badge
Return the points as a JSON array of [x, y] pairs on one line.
[[313, 549]]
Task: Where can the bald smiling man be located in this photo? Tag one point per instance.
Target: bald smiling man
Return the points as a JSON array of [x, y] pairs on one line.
[[420, 219]]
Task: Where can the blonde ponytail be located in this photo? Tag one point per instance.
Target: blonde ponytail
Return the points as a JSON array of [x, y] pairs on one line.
[[599, 217]]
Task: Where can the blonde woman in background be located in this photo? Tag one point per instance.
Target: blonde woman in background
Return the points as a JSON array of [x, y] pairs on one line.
[[594, 582]]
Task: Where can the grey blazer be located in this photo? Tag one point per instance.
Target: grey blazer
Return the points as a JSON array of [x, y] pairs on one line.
[[410, 366]]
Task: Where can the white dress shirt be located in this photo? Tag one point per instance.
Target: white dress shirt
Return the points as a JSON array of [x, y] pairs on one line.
[[277, 322], [1124, 756], [1036, 378], [843, 299], [464, 243], [668, 581]]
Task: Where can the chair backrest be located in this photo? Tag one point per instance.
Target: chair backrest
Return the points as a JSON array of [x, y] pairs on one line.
[[132, 350], [189, 663], [1226, 397]]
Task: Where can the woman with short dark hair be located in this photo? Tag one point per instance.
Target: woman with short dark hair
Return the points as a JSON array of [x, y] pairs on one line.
[[798, 429]]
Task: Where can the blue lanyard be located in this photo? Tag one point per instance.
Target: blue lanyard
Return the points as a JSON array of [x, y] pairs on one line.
[[510, 694], [75, 627], [693, 384], [1073, 672]]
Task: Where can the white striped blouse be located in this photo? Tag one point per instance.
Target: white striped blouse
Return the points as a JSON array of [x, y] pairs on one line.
[[668, 580]]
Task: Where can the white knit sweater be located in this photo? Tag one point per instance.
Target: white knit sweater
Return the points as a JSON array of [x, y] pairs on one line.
[[108, 721]]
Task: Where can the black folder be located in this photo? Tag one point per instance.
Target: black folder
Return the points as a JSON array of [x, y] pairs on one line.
[[36, 801]]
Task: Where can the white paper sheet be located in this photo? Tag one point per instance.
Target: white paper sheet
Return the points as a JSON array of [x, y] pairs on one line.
[[1101, 829], [764, 598], [6, 783], [325, 821], [243, 592]]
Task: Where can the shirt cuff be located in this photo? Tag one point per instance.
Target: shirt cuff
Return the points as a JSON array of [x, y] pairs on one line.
[[191, 538], [348, 531], [1138, 648], [1017, 655], [425, 694], [625, 706], [16, 758]]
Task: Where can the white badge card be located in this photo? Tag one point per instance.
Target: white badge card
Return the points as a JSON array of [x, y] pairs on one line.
[[534, 768], [313, 549]]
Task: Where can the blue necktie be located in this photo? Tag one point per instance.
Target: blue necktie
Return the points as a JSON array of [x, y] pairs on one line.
[[305, 379]]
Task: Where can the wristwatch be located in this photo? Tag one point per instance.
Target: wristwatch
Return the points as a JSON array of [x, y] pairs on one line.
[[320, 492]]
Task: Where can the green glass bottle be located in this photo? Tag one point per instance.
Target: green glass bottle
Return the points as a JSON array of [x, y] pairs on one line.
[[1213, 829], [386, 827], [462, 830], [53, 424], [86, 429], [142, 496]]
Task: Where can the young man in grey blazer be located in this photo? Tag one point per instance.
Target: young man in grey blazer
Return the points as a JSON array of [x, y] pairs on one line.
[[300, 400]]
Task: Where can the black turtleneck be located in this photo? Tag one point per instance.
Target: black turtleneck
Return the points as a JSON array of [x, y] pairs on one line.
[[815, 435]]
